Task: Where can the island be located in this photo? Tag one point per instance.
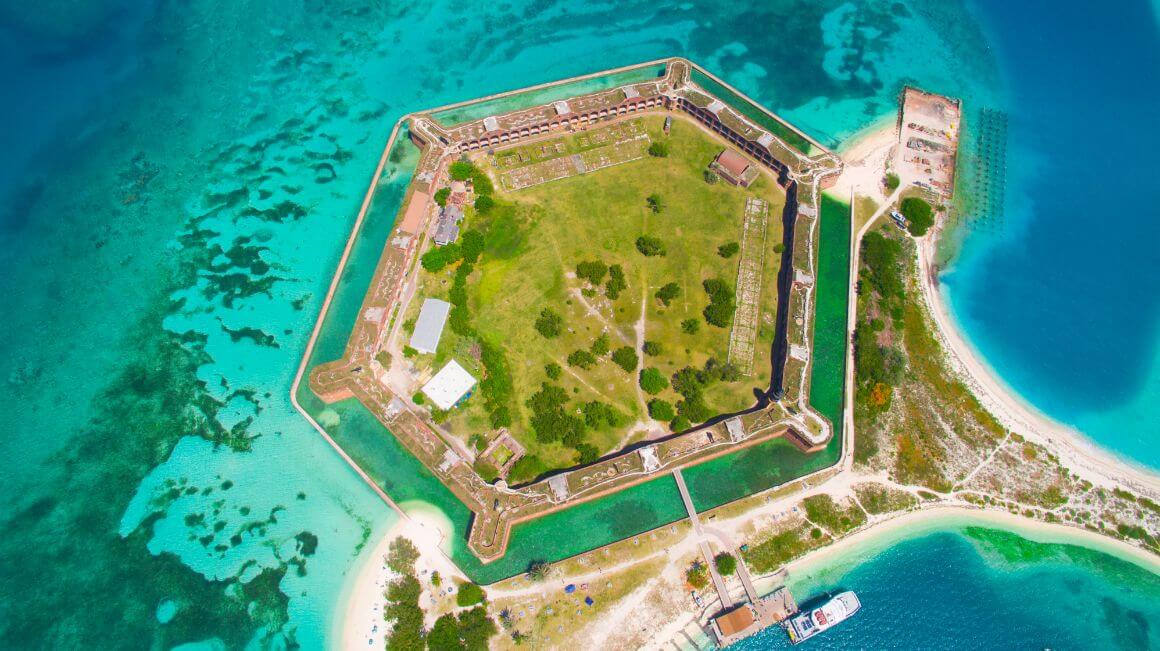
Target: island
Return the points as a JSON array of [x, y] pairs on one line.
[[633, 326]]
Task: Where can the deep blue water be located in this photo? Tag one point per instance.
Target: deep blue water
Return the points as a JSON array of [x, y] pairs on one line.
[[177, 181], [1064, 300]]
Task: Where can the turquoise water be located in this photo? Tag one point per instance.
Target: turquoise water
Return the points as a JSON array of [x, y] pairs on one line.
[[966, 587], [179, 180]]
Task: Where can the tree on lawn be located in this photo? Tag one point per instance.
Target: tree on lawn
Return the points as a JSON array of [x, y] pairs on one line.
[[582, 358], [549, 324], [650, 246], [728, 250], [667, 293], [656, 202], [625, 357], [592, 270], [616, 282], [652, 381], [726, 564], [658, 149], [661, 410], [919, 215], [600, 345]]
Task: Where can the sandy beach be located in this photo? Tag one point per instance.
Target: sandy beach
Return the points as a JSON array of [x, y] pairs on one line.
[[359, 621], [855, 548], [1076, 451]]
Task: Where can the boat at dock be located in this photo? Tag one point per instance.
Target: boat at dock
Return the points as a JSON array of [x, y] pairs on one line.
[[807, 624]]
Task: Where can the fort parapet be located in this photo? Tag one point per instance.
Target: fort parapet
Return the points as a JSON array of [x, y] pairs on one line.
[[782, 411]]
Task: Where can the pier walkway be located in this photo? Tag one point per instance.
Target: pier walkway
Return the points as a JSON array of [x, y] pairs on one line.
[[718, 582]]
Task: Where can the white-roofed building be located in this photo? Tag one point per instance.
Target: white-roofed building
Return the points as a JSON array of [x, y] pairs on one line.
[[429, 325], [490, 123], [562, 108], [449, 385]]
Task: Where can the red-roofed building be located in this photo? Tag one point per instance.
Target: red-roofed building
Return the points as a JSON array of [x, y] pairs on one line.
[[734, 167]]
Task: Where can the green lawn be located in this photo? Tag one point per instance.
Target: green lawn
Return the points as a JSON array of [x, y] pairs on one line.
[[537, 236]]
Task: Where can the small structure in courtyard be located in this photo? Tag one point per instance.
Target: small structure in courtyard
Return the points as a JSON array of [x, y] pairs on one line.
[[736, 429], [447, 228], [648, 457], [450, 385], [429, 325], [734, 168]]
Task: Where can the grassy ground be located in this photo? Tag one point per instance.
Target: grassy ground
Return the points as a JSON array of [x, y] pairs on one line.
[[537, 236]]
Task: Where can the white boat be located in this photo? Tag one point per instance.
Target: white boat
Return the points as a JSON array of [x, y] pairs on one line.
[[808, 624]]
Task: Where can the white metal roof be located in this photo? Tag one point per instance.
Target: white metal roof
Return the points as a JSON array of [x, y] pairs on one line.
[[490, 123], [715, 106], [562, 108], [429, 325], [450, 384], [765, 140]]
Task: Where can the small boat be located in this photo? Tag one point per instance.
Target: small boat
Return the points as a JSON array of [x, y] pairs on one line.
[[838, 609]]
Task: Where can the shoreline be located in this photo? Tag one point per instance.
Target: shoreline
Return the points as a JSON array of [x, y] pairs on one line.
[[358, 619], [856, 548], [1076, 451]]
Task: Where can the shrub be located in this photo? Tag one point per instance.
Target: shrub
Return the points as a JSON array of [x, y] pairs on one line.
[[697, 575], [779, 248], [726, 564], [539, 570], [418, 398], [461, 170], [549, 324], [593, 271], [679, 424], [721, 306], [401, 556], [661, 410], [582, 358], [880, 262], [919, 215], [651, 348], [728, 250], [486, 470], [600, 345], [469, 594], [690, 326], [410, 353], [711, 177], [658, 149], [656, 202], [441, 256], [553, 370], [667, 293], [551, 419], [650, 246], [892, 181], [625, 357], [616, 282], [597, 415], [441, 196], [471, 243], [526, 468], [587, 454], [652, 381], [484, 203]]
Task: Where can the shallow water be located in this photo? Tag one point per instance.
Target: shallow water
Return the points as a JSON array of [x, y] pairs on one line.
[[179, 182]]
